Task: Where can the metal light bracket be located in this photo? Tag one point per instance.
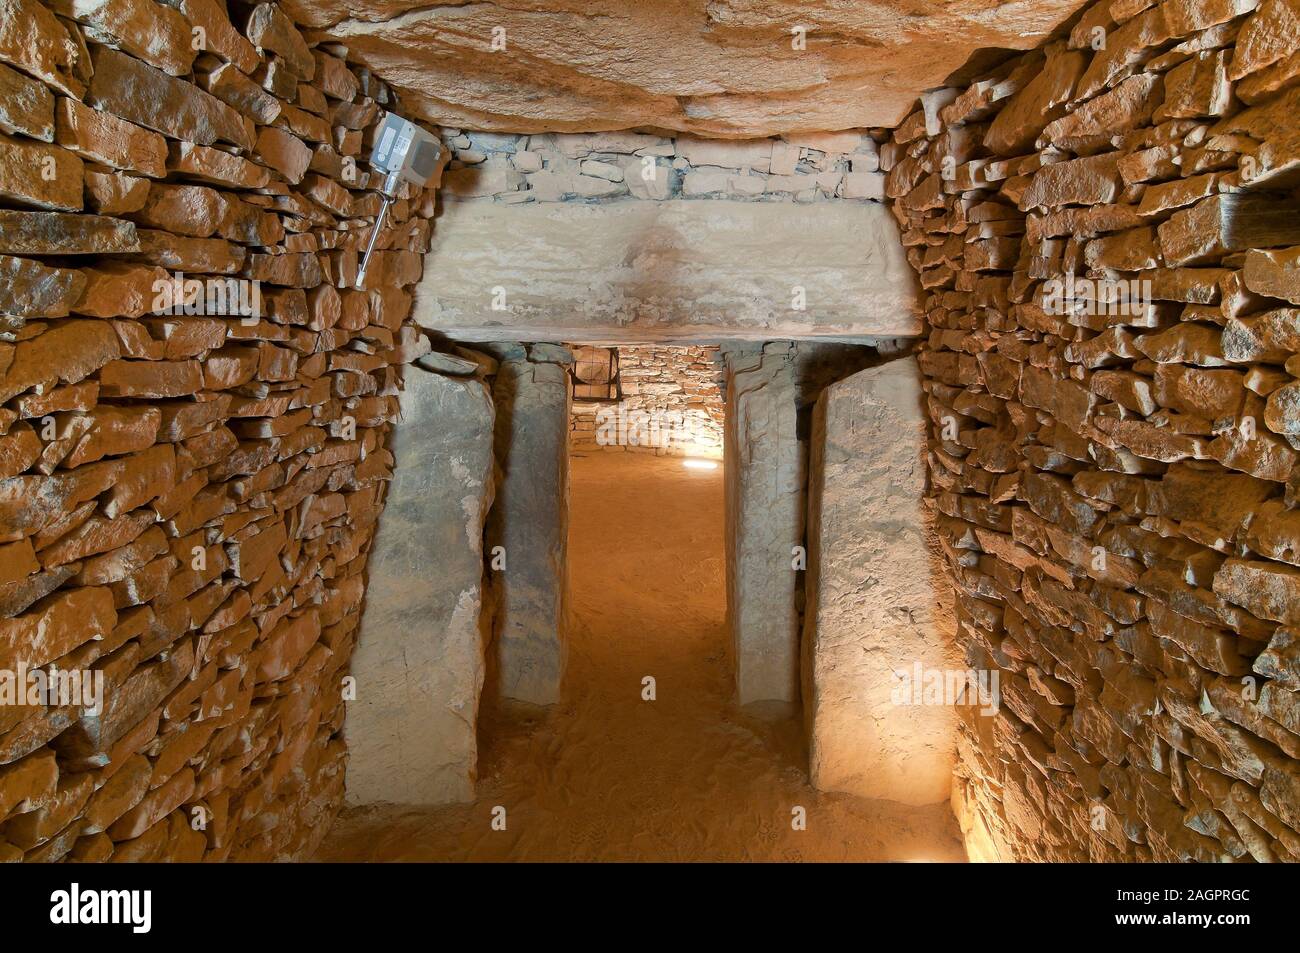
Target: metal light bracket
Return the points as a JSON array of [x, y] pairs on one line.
[[403, 153]]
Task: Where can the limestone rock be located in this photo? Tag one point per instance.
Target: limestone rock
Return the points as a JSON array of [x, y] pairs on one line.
[[1042, 99], [213, 165], [871, 613], [27, 784], [412, 739], [1275, 273], [1089, 181], [123, 791], [1269, 590], [33, 290], [1281, 660], [235, 89], [64, 352], [1270, 33], [156, 34], [301, 270], [40, 175], [529, 519], [659, 270], [283, 151], [148, 97], [119, 289], [765, 520], [1283, 411], [1275, 533], [26, 106], [155, 805], [103, 137], [1092, 124], [334, 77], [863, 185], [1227, 222], [1269, 337], [718, 68], [602, 170], [127, 378], [220, 34], [33, 39], [1198, 87], [212, 255], [270, 29], [58, 233], [192, 210], [1128, 44], [59, 626], [726, 155]]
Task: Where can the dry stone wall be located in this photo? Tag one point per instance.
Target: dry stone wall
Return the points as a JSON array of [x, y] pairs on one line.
[[672, 405], [1105, 230], [602, 167], [187, 494]]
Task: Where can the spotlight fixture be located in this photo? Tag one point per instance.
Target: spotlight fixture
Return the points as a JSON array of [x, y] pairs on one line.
[[697, 463], [403, 153]]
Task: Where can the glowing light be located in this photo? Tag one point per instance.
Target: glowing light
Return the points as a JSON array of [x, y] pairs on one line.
[[695, 463]]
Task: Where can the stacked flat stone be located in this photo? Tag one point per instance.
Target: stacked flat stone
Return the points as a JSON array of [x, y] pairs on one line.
[[677, 386], [609, 166], [187, 501], [1117, 492]]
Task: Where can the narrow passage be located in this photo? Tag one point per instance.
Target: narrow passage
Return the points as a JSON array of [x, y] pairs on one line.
[[607, 775]]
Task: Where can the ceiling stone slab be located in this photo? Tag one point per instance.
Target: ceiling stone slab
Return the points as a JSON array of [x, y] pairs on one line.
[[666, 271], [724, 68]]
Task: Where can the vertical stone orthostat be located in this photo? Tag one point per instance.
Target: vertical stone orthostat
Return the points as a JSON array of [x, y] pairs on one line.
[[419, 661], [765, 493], [872, 608], [530, 521]]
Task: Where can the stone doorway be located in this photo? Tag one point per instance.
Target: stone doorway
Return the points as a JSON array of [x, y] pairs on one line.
[[742, 532], [625, 769]]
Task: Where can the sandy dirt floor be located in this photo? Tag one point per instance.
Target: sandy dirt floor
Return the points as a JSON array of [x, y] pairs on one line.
[[606, 775]]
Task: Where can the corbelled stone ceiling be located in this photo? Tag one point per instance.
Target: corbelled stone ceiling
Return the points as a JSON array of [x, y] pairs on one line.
[[728, 68]]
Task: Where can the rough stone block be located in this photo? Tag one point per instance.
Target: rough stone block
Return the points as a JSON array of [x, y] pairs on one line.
[[765, 521], [648, 266], [419, 661], [529, 520], [149, 97], [873, 615]]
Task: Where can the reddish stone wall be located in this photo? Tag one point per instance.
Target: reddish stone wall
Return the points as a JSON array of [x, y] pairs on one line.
[[187, 500], [1117, 492]]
